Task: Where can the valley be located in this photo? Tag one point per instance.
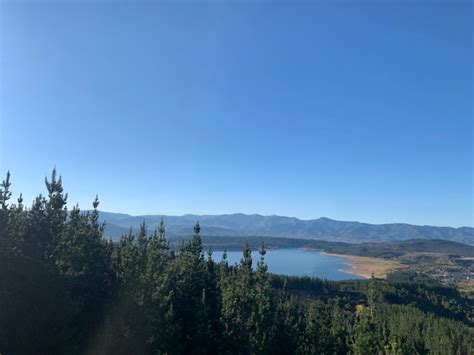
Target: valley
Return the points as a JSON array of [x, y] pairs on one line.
[[433, 251]]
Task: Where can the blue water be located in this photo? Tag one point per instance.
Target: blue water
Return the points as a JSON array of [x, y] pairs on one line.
[[296, 262]]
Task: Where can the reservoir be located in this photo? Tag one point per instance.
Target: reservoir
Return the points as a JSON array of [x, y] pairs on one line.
[[296, 262]]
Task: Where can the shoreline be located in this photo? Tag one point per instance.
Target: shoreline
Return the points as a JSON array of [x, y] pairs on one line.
[[365, 266]]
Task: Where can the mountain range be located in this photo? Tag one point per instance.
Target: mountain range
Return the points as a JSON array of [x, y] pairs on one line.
[[239, 224]]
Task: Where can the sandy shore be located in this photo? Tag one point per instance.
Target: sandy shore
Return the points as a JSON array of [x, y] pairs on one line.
[[365, 266]]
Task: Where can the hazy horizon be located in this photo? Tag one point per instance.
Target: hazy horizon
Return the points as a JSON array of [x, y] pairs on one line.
[[164, 215]]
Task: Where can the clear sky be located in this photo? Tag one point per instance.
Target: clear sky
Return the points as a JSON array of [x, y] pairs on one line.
[[349, 110]]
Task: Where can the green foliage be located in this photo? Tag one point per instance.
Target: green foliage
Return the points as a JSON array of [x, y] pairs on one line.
[[66, 290]]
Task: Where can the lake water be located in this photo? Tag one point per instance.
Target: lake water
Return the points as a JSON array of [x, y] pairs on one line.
[[296, 262]]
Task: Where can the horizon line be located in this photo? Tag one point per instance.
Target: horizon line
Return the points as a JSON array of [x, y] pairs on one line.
[[275, 215]]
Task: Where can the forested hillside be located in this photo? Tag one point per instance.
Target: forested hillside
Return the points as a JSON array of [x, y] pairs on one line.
[[378, 250], [64, 289]]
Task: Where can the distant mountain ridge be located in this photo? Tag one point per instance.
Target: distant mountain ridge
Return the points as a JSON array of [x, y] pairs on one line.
[[323, 228]]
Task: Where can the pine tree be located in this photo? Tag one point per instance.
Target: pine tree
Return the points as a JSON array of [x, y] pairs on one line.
[[287, 325], [163, 243], [365, 339], [262, 316], [196, 242], [56, 212], [5, 195]]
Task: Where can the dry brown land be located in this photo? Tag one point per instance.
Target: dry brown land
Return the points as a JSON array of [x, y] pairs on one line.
[[366, 267]]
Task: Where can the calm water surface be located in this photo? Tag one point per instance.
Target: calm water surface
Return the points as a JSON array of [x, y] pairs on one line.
[[296, 262]]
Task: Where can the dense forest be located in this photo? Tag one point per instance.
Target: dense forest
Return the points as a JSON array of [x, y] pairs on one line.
[[64, 289]]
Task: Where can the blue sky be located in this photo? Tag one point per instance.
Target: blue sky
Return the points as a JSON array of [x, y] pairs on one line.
[[354, 111]]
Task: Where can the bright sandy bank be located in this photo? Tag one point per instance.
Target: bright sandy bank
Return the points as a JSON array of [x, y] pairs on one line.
[[365, 266]]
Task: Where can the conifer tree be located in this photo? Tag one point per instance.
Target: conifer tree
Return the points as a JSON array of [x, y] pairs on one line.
[[5, 195], [262, 316], [196, 242]]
